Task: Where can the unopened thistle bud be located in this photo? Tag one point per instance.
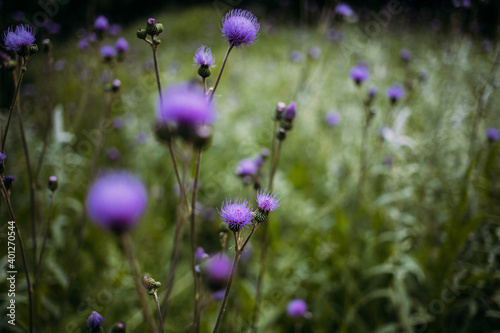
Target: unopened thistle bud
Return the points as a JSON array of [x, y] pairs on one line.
[[119, 327], [141, 34], [33, 49], [148, 282], [53, 183], [152, 28], [46, 45], [279, 111], [281, 134]]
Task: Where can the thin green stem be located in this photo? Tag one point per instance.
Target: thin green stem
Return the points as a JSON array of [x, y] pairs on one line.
[[14, 100], [160, 320], [141, 293], [23, 254], [196, 323], [220, 73]]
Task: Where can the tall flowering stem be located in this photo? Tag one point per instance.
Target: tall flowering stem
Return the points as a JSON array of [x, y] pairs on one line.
[[129, 253], [160, 319], [221, 70], [196, 323], [5, 195], [14, 100]]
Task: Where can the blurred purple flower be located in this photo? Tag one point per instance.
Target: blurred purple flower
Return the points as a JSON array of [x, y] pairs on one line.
[[113, 153], [344, 9], [114, 29], [218, 267], [405, 55], [118, 122], [267, 201], [101, 24], [236, 214], [246, 167], [200, 254], [359, 74], [141, 137], [107, 52], [240, 27], [219, 295], [185, 104], [83, 44], [297, 56], [21, 37], [333, 118], [59, 65], [486, 44], [121, 45], [52, 27], [333, 34], [315, 52], [204, 57], [296, 308], [290, 111], [95, 320], [492, 134], [2, 157], [116, 201], [395, 92]]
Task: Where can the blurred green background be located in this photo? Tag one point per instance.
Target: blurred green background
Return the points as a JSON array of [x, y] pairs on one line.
[[415, 250]]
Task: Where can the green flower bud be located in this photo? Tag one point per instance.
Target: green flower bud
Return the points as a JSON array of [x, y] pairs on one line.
[[151, 29], [260, 215], [33, 49], [159, 27], [141, 34], [204, 71], [157, 41]]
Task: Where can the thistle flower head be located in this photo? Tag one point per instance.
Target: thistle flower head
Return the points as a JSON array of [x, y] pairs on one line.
[[21, 37], [101, 24], [395, 92], [296, 308], [333, 118], [107, 51], [267, 201], [95, 321], [8, 181], [246, 167], [492, 134], [290, 111], [116, 201], [359, 74], [240, 27], [218, 267], [204, 57], [121, 45], [344, 9], [186, 105], [236, 214]]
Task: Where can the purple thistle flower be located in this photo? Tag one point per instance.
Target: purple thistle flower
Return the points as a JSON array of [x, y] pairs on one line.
[[108, 52], [333, 118], [8, 181], [359, 74], [315, 52], [218, 269], [116, 201], [492, 134], [204, 57], [296, 308], [344, 9], [121, 45], [405, 55], [83, 44], [2, 157], [290, 111], [236, 214], [101, 24], [186, 105], [372, 92], [267, 201], [296, 56], [240, 27], [395, 92], [151, 21], [21, 37], [246, 167], [200, 254], [95, 321]]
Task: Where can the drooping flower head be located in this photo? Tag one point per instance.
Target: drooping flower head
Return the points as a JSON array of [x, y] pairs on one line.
[[204, 57], [101, 24], [394, 93], [236, 214], [492, 134], [116, 201], [121, 45], [296, 308], [267, 201], [359, 74], [185, 105], [95, 321], [333, 118], [240, 27], [20, 38]]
